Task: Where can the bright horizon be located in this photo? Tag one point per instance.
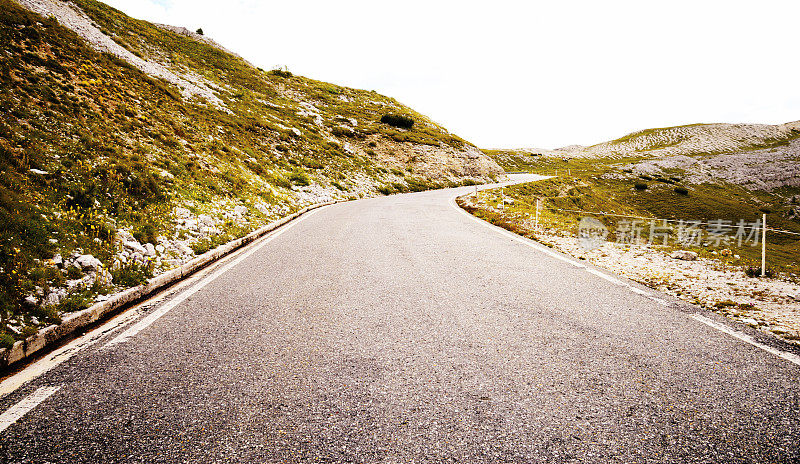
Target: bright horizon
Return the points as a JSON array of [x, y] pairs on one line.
[[541, 74]]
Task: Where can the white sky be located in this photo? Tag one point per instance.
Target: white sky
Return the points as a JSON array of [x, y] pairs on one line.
[[526, 73]]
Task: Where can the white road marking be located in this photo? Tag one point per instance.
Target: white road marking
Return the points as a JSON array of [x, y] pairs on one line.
[[614, 281], [155, 315], [63, 354], [69, 350], [23, 407], [791, 357], [639, 291], [660, 301], [518, 238], [72, 348], [548, 252]]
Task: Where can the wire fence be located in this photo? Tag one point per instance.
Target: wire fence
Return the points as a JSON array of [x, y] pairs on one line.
[[653, 218]]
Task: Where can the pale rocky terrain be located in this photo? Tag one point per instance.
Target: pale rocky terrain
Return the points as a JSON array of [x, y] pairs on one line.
[[72, 17], [765, 169], [696, 139]]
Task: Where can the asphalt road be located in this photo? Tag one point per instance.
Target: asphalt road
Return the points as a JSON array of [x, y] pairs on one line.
[[399, 329]]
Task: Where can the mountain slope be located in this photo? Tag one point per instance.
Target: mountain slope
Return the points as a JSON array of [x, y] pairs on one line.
[[694, 139], [128, 147]]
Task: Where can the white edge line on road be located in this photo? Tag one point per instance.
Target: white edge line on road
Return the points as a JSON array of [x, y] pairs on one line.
[[553, 254], [614, 281], [62, 354], [88, 339], [518, 238], [155, 315], [791, 357], [14, 413]]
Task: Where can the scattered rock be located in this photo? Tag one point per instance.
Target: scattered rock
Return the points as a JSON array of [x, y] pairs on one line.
[[150, 250], [240, 210], [88, 262], [684, 255], [134, 246]]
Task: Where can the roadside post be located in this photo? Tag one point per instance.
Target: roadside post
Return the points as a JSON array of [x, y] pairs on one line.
[[536, 224], [764, 246]]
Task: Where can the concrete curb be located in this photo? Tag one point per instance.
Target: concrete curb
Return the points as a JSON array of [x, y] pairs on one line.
[[73, 321]]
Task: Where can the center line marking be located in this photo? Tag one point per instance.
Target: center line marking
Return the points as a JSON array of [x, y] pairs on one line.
[[15, 412], [155, 315], [791, 357]]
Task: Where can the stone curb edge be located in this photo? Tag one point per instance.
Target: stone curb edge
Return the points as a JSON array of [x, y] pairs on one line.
[[73, 321]]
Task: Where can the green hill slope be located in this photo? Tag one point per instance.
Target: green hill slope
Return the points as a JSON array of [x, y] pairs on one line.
[[142, 145]]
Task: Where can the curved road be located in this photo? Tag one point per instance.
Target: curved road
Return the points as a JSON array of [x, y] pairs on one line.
[[399, 329]]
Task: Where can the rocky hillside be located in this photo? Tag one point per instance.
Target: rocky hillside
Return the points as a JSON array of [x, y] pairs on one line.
[[128, 147], [754, 156], [694, 139]]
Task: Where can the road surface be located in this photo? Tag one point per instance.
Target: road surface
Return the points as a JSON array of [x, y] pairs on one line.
[[399, 329]]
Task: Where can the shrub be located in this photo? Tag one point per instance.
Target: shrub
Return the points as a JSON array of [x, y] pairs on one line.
[[681, 190], [398, 120], [145, 233], [640, 186], [6, 341], [340, 131], [645, 177], [199, 31], [281, 73], [131, 274], [299, 177], [74, 302], [755, 271]]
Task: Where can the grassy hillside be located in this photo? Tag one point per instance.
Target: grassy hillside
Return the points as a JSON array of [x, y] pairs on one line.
[[143, 146], [617, 187]]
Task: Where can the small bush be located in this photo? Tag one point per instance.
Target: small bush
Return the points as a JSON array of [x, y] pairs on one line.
[[725, 304], [682, 191], [640, 186], [131, 274], [199, 31], [340, 131], [645, 177], [299, 177], [145, 233], [398, 120], [74, 302], [755, 271], [6, 341], [281, 73]]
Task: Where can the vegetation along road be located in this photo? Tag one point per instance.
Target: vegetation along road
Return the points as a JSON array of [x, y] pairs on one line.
[[400, 329]]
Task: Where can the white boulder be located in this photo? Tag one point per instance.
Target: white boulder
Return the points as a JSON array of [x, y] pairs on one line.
[[88, 262], [684, 255]]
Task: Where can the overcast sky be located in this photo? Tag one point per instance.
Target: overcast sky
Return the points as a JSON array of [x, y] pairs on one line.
[[526, 73]]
